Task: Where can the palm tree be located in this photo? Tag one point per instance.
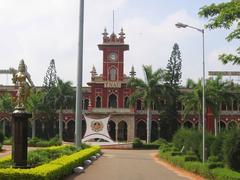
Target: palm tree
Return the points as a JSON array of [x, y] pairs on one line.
[[219, 92], [33, 105], [6, 105], [148, 90], [64, 95], [192, 101]]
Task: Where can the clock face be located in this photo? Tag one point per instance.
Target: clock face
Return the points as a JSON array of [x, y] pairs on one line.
[[113, 56]]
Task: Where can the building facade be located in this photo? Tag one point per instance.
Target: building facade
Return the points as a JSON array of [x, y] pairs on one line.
[[108, 94]]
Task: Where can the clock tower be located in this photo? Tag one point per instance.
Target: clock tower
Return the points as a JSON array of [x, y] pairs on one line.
[[113, 48]]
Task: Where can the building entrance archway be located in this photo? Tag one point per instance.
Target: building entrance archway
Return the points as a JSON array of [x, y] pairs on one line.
[[154, 131], [122, 131], [112, 130], [142, 130]]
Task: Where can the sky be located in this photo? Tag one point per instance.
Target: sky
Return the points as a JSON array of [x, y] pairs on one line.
[[40, 30]]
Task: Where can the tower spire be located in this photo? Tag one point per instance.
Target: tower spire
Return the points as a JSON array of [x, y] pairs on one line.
[[113, 21]]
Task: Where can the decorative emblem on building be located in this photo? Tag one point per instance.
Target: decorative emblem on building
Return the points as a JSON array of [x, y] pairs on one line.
[[97, 126]]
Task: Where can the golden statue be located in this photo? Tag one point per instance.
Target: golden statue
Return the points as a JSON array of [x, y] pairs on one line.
[[20, 79]]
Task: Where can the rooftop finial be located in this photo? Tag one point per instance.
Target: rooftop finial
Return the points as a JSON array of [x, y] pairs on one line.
[[113, 21], [132, 72]]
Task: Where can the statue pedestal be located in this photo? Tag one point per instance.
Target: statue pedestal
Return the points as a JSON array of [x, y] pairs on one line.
[[19, 135]]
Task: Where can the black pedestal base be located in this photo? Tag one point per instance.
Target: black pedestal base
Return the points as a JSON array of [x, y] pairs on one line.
[[19, 135]]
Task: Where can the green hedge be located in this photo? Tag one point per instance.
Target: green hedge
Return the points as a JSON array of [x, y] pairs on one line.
[[53, 170], [138, 144], [200, 168]]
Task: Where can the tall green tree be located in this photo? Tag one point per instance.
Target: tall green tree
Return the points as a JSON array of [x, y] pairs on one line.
[[219, 92], [224, 15], [33, 105], [50, 78], [64, 95], [6, 106], [174, 67], [169, 116], [148, 90], [48, 106]]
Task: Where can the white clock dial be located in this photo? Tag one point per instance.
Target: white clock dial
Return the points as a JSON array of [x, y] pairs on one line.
[[113, 56]]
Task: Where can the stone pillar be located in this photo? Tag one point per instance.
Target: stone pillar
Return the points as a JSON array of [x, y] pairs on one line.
[[116, 136], [19, 135], [131, 129]]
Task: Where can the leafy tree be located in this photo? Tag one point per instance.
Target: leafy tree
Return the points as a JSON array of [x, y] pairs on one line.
[[224, 15], [50, 78], [231, 149], [64, 95], [149, 91], [33, 105], [169, 115], [219, 92], [192, 101], [174, 66], [6, 106], [48, 107]]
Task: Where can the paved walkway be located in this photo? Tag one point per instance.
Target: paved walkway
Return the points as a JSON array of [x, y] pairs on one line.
[[127, 165]]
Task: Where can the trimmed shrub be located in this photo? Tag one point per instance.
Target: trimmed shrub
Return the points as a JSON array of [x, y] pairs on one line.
[[37, 142], [180, 137], [231, 149], [190, 158], [213, 165], [137, 143], [209, 139], [224, 173], [7, 141], [160, 141], [176, 153], [55, 169], [216, 146]]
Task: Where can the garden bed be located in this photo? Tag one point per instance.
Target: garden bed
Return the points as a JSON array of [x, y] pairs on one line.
[[52, 170]]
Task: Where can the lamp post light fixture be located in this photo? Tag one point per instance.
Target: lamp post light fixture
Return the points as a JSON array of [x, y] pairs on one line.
[[181, 25]]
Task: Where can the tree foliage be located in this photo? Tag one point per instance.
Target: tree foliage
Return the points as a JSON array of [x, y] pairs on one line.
[[225, 15], [50, 78], [169, 114], [148, 90], [174, 66], [6, 103]]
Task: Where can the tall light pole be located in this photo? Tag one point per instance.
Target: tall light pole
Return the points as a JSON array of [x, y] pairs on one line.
[[78, 115], [181, 25]]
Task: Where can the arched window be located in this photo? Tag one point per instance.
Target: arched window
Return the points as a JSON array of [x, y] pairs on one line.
[[86, 103], [139, 104], [112, 101], [98, 102], [113, 74], [126, 102]]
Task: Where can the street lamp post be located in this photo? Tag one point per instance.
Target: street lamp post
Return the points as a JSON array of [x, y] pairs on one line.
[[181, 25], [78, 115]]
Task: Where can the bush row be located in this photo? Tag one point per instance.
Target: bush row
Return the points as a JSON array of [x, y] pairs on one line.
[[37, 142], [207, 170], [138, 144], [53, 170], [41, 156], [225, 147]]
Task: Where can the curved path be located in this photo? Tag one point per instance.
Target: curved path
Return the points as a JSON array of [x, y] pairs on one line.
[[127, 165]]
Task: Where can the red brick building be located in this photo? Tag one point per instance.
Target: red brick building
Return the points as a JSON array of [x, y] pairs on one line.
[[107, 94]]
